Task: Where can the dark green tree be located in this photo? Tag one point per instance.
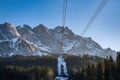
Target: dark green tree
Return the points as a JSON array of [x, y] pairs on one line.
[[93, 74], [89, 72], [99, 72], [118, 65], [112, 68], [106, 70], [83, 73]]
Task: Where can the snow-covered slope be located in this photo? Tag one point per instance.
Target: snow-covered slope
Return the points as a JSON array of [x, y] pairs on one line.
[[78, 45], [40, 41], [12, 43]]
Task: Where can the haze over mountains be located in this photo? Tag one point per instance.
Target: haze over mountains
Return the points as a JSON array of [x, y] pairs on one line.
[[40, 40]]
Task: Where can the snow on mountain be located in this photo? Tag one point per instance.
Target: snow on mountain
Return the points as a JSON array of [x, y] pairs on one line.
[[13, 43], [78, 45], [42, 41]]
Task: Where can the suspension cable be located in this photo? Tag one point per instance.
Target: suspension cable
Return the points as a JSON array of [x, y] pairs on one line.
[[63, 23], [94, 16], [64, 12]]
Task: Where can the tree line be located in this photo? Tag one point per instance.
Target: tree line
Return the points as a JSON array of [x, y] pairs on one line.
[[108, 69], [29, 73], [45, 68]]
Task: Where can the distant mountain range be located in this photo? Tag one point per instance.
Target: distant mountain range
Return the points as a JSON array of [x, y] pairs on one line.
[[40, 40]]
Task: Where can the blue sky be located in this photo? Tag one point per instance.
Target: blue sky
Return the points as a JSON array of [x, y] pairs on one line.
[[105, 30]]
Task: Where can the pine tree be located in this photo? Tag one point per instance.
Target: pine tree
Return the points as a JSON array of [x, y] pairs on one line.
[[89, 72], [112, 68], [99, 73], [93, 74], [118, 65], [106, 70], [83, 75]]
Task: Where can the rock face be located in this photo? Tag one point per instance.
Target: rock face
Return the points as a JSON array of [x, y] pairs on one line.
[[12, 43], [26, 40]]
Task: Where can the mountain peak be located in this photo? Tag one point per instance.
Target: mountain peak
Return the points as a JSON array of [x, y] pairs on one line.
[[9, 30], [40, 28], [27, 26], [60, 28], [49, 40], [8, 25], [63, 32]]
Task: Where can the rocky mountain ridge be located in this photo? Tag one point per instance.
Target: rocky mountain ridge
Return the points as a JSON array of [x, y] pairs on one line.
[[40, 40]]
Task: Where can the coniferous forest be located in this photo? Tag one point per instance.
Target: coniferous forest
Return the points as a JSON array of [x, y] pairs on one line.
[[45, 68]]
